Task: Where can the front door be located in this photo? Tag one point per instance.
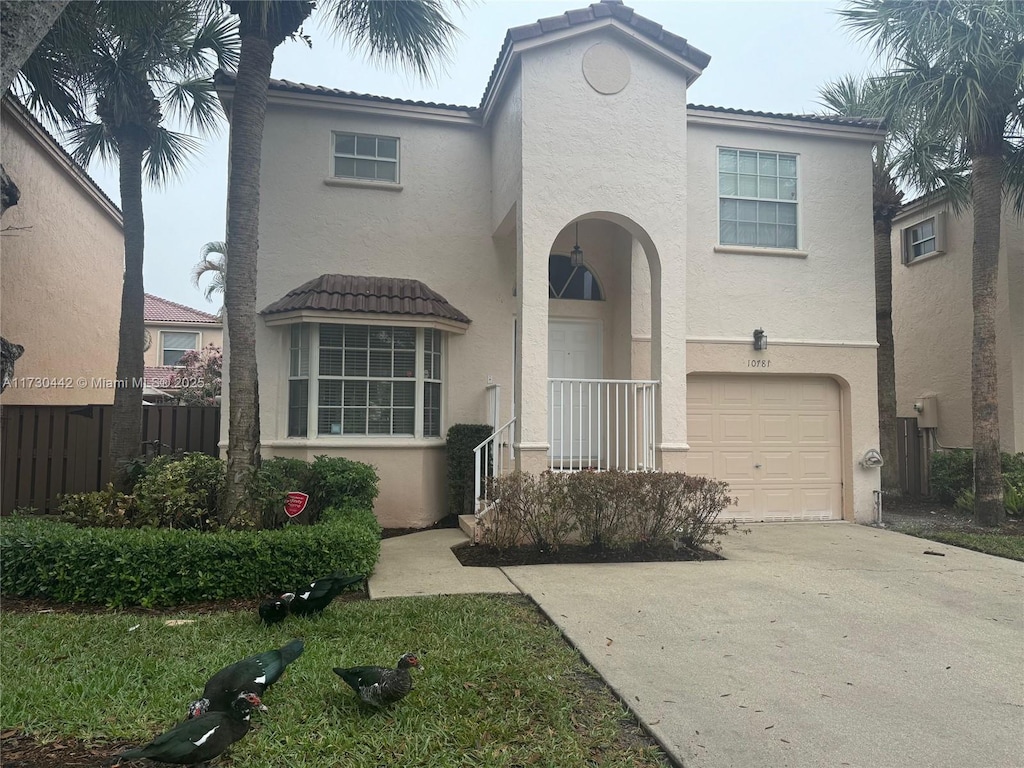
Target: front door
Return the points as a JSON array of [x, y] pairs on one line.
[[574, 352]]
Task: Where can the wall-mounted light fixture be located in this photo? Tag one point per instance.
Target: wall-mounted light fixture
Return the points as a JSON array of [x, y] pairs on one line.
[[760, 339], [576, 254]]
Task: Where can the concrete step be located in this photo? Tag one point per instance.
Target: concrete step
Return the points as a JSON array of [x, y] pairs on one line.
[[468, 525]]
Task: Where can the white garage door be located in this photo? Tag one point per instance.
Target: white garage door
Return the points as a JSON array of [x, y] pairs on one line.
[[774, 439]]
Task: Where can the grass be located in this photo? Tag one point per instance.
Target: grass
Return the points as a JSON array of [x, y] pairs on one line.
[[500, 686], [1001, 545]]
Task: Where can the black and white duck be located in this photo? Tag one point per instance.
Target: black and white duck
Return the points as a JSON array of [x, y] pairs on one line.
[[309, 600], [254, 673], [380, 686], [196, 741]]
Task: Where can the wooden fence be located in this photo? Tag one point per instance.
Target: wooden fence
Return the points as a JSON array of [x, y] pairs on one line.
[[51, 450], [908, 454]]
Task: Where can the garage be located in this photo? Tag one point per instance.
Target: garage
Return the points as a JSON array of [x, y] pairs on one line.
[[775, 439]]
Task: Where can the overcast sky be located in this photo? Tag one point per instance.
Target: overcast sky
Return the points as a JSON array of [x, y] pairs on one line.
[[765, 55]]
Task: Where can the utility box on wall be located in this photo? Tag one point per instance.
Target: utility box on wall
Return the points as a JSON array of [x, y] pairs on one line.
[[927, 412]]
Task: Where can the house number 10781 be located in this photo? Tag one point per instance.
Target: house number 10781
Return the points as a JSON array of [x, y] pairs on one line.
[[759, 363]]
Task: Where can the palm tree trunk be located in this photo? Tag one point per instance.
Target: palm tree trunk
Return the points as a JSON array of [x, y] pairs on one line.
[[986, 198], [260, 34], [126, 422], [886, 360], [22, 25]]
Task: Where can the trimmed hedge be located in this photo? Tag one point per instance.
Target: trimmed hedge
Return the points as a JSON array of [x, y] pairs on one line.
[[160, 567], [952, 476], [461, 440]]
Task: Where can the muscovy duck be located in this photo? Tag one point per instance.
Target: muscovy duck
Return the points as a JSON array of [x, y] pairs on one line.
[[203, 738], [380, 686], [254, 673], [309, 600]]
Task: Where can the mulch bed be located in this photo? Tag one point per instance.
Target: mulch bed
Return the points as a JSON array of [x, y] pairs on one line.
[[931, 515], [20, 750], [483, 556]]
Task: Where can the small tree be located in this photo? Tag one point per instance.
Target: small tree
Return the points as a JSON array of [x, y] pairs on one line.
[[200, 379]]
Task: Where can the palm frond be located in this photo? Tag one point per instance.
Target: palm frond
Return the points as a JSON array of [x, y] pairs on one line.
[[414, 33], [89, 140], [217, 36], [169, 155], [195, 103]]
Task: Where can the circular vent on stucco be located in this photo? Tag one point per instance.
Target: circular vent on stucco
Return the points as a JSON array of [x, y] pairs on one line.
[[606, 68]]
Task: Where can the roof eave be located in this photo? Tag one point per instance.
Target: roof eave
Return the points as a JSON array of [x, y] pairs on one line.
[[512, 50], [365, 318], [697, 116]]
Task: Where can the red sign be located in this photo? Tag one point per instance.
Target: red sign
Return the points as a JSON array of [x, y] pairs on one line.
[[295, 502]]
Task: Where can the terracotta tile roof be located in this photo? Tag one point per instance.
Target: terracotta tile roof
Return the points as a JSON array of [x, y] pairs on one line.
[[858, 122], [161, 376], [372, 295], [165, 311], [228, 78], [593, 12]]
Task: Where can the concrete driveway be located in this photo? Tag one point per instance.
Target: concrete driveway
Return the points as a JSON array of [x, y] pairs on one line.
[[813, 645]]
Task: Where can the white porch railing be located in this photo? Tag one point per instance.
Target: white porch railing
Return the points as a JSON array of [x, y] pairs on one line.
[[601, 424], [492, 458]]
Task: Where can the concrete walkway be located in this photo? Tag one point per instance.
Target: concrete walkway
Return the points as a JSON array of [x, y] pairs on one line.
[[811, 645], [423, 564]]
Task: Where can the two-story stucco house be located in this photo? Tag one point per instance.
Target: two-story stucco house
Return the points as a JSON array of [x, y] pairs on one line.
[[62, 260], [933, 322], [587, 251]]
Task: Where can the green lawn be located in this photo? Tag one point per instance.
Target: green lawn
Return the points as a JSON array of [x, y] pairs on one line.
[[1001, 545], [500, 686]]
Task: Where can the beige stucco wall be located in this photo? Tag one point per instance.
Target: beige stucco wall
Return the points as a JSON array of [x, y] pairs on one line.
[[207, 335], [61, 262], [933, 327]]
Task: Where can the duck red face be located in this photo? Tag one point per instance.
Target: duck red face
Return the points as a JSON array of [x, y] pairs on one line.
[[254, 700], [412, 660]]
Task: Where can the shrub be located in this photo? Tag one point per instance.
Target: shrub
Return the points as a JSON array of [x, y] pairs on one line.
[[159, 567], [952, 473], [1013, 470], [330, 481], [461, 440], [609, 510], [182, 493], [104, 509]]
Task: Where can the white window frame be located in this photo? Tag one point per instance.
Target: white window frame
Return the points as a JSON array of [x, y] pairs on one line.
[[778, 201], [357, 156], [908, 239], [163, 348], [421, 379]]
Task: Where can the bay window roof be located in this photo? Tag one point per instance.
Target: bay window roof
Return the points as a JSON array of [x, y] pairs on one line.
[[393, 298]]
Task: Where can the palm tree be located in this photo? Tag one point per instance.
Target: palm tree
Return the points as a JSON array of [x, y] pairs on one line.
[[129, 61], [912, 155], [216, 267], [413, 33], [956, 65]]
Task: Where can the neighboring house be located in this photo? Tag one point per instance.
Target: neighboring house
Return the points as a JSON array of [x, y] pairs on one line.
[[933, 322], [62, 260], [173, 329], [588, 249]]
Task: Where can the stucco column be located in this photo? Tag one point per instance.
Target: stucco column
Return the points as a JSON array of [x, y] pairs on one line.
[[531, 350], [668, 358]]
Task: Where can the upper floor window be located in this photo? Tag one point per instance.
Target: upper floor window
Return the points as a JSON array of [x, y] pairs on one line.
[[568, 282], [362, 156], [757, 198], [175, 344], [925, 238]]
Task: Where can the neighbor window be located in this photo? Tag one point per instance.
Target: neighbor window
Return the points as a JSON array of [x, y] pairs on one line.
[[757, 198], [175, 344], [924, 238], [361, 156], [367, 380]]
